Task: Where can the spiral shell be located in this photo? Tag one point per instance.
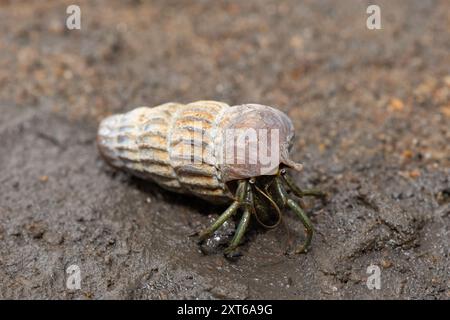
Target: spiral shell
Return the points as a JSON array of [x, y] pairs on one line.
[[151, 143]]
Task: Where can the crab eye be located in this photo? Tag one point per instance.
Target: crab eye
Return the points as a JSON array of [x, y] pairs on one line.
[[252, 180]]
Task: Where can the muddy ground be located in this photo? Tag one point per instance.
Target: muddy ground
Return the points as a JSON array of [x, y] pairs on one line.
[[371, 110]]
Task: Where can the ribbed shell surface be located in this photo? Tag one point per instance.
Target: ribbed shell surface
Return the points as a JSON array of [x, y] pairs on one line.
[[151, 143]]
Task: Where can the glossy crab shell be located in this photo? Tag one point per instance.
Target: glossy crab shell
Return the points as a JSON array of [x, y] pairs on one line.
[[183, 147]]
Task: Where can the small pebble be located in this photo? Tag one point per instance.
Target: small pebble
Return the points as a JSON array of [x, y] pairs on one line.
[[386, 264]]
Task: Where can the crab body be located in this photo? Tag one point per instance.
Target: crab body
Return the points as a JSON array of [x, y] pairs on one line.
[[221, 153]]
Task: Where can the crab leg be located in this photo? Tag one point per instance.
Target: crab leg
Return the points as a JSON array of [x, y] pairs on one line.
[[240, 231], [299, 192], [282, 194], [227, 214], [306, 223]]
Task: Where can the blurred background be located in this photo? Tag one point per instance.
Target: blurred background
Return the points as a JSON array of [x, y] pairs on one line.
[[372, 114]]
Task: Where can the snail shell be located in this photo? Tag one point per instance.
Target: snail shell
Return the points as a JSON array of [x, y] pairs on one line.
[[182, 147]]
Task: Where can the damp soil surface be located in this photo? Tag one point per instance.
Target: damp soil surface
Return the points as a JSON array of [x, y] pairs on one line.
[[372, 115]]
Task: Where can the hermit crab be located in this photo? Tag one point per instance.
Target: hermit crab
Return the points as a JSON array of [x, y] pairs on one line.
[[224, 154]]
